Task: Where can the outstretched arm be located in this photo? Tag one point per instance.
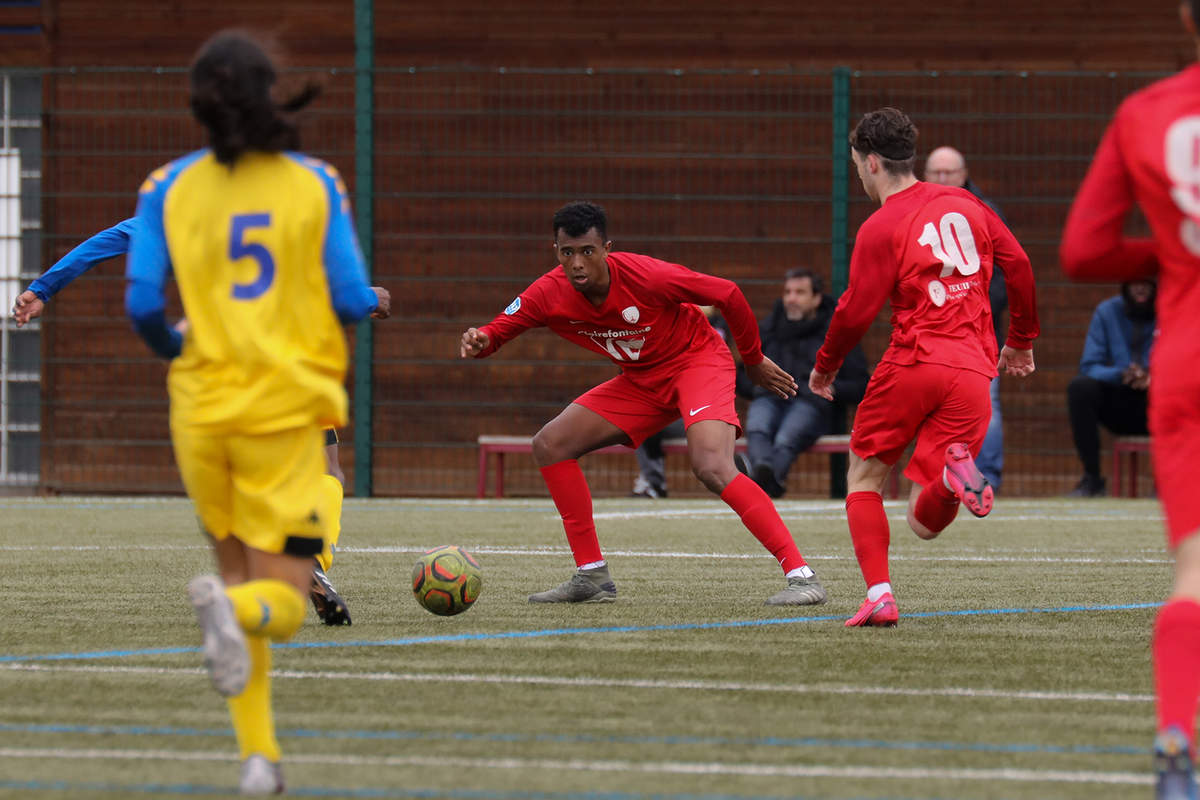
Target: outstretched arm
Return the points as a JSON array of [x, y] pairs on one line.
[[873, 273], [1094, 246], [106, 244]]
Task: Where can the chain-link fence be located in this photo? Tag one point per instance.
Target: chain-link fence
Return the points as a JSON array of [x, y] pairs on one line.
[[731, 172]]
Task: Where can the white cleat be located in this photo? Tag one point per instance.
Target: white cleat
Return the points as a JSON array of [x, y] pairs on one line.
[[225, 654]]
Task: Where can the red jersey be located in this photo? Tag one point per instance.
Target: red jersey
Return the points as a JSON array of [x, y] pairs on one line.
[[1151, 154], [932, 249], [648, 322]]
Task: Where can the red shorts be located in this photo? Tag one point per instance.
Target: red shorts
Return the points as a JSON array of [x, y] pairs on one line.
[[642, 405], [934, 404], [1175, 426]]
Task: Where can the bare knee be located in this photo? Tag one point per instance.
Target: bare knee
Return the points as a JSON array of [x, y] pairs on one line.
[[713, 472], [1187, 568], [333, 464], [920, 530], [548, 447]]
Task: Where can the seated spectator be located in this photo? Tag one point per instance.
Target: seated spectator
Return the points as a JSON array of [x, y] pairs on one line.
[[779, 429], [1114, 376]]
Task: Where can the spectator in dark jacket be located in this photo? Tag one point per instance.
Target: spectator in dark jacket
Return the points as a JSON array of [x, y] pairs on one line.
[[779, 429], [1114, 378]]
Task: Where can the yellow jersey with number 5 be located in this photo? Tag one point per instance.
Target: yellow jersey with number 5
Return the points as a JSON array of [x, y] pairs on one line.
[[266, 260]]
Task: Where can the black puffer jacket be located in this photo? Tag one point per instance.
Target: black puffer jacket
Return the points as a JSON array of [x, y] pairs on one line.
[[793, 345]]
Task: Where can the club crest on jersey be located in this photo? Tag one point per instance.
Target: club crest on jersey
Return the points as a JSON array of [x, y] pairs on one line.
[[937, 293], [513, 307], [631, 315]]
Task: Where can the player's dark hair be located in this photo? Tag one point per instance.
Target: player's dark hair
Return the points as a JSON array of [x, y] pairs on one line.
[[1195, 6], [803, 272], [889, 134], [231, 77], [577, 218]]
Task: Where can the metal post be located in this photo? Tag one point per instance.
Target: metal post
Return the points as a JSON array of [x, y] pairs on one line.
[[839, 258], [364, 191]]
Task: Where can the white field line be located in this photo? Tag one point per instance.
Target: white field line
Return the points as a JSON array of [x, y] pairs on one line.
[[619, 683], [614, 765], [988, 556]]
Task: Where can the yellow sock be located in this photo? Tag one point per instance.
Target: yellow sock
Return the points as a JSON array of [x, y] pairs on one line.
[[331, 507], [250, 711], [267, 607]]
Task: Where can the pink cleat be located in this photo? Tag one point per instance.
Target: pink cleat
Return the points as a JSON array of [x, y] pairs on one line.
[[967, 481], [881, 613]]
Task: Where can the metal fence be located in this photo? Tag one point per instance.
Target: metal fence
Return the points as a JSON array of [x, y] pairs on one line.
[[741, 173]]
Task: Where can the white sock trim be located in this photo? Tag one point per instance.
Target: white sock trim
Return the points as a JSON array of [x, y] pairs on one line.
[[593, 565], [878, 590], [803, 572]]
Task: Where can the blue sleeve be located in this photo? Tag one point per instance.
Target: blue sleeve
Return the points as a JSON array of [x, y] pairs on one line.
[[104, 245], [1101, 359], [345, 268], [146, 271]]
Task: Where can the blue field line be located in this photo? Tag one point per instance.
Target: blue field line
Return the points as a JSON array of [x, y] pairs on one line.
[[540, 634], [524, 738], [403, 794]]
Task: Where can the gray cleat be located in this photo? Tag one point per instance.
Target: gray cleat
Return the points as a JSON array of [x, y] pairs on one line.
[[586, 586], [799, 592], [225, 654], [260, 776]]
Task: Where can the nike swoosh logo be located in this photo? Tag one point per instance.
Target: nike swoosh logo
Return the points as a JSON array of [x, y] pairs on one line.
[[576, 321], [696, 411]]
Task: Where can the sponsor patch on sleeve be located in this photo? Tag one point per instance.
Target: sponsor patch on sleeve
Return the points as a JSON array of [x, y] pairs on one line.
[[513, 307]]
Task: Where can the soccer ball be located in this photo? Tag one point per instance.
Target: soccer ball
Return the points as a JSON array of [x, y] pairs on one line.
[[446, 580]]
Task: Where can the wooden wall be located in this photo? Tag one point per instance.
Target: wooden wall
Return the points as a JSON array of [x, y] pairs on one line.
[[728, 173]]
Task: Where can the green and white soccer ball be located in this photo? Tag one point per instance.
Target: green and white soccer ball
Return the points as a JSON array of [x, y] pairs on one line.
[[446, 580]]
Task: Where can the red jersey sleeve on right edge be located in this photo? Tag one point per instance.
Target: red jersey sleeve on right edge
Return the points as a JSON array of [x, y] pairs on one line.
[[523, 313], [1093, 245], [873, 272]]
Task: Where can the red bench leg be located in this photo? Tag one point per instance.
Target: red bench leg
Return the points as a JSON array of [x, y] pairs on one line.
[[481, 482], [499, 474]]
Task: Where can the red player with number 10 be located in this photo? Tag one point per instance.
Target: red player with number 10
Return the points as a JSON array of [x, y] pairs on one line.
[[931, 249]]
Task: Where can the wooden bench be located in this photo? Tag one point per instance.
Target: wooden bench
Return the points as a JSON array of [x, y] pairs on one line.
[[501, 445], [1126, 448]]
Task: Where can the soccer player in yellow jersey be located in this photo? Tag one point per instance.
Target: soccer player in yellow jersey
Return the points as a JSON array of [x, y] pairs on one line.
[[113, 242], [262, 247]]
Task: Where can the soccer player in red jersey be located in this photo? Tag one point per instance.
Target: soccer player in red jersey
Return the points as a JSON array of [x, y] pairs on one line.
[[643, 314], [1151, 155], [931, 249]]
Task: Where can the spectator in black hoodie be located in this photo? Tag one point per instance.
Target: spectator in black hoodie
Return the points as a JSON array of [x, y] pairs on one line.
[[779, 429]]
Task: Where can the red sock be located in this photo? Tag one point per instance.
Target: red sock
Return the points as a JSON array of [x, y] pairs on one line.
[[759, 515], [1176, 648], [569, 490], [870, 534], [936, 506]]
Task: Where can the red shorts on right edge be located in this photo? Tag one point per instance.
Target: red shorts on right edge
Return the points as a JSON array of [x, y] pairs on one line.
[[932, 403], [1175, 428]]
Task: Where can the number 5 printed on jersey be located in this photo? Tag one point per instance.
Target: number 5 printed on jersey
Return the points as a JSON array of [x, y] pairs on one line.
[[239, 249]]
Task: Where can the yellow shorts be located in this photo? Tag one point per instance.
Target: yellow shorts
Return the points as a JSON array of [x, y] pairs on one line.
[[264, 490]]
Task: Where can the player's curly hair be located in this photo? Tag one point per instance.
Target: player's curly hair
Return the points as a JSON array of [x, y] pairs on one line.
[[231, 78], [577, 218], [889, 134]]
